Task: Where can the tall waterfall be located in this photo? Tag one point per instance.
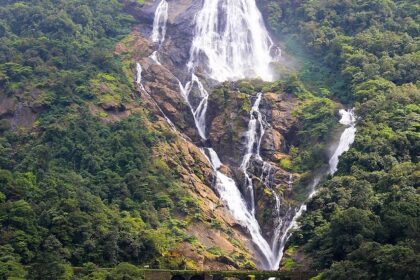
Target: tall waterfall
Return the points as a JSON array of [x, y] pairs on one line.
[[231, 41]]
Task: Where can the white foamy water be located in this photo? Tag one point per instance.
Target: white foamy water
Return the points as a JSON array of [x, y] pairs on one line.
[[155, 57], [236, 204], [253, 139], [231, 41], [159, 23], [267, 179], [199, 113], [346, 139], [139, 70]]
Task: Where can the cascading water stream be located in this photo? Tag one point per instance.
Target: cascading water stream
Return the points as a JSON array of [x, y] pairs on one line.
[[199, 113], [252, 141], [155, 57], [159, 23], [255, 133], [231, 41], [346, 139], [139, 71], [139, 82], [159, 28], [233, 199]]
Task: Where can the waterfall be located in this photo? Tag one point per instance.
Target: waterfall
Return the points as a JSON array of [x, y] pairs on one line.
[[231, 38], [231, 41], [267, 179], [199, 113], [159, 28], [155, 57], [346, 139], [159, 23], [233, 199], [139, 70], [254, 136], [253, 140], [229, 192]]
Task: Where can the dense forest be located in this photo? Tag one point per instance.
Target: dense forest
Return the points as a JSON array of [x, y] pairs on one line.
[[80, 193], [75, 191], [364, 222]]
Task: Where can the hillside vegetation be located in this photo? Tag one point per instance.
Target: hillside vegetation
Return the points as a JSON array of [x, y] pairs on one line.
[[87, 182], [75, 190], [364, 222]]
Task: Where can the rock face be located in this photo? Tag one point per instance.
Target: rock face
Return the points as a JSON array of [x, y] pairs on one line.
[[160, 97], [228, 122], [174, 52], [17, 112], [227, 118]]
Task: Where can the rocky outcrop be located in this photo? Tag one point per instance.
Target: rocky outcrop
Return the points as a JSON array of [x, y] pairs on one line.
[[18, 112], [160, 97], [173, 53], [281, 118], [164, 88], [227, 119]]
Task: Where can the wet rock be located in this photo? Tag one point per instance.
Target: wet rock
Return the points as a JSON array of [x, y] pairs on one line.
[[272, 143], [163, 87]]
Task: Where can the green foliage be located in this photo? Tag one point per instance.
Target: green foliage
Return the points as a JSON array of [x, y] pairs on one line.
[[246, 87], [286, 163], [363, 223], [126, 271], [76, 190], [359, 40], [316, 123], [56, 47]]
